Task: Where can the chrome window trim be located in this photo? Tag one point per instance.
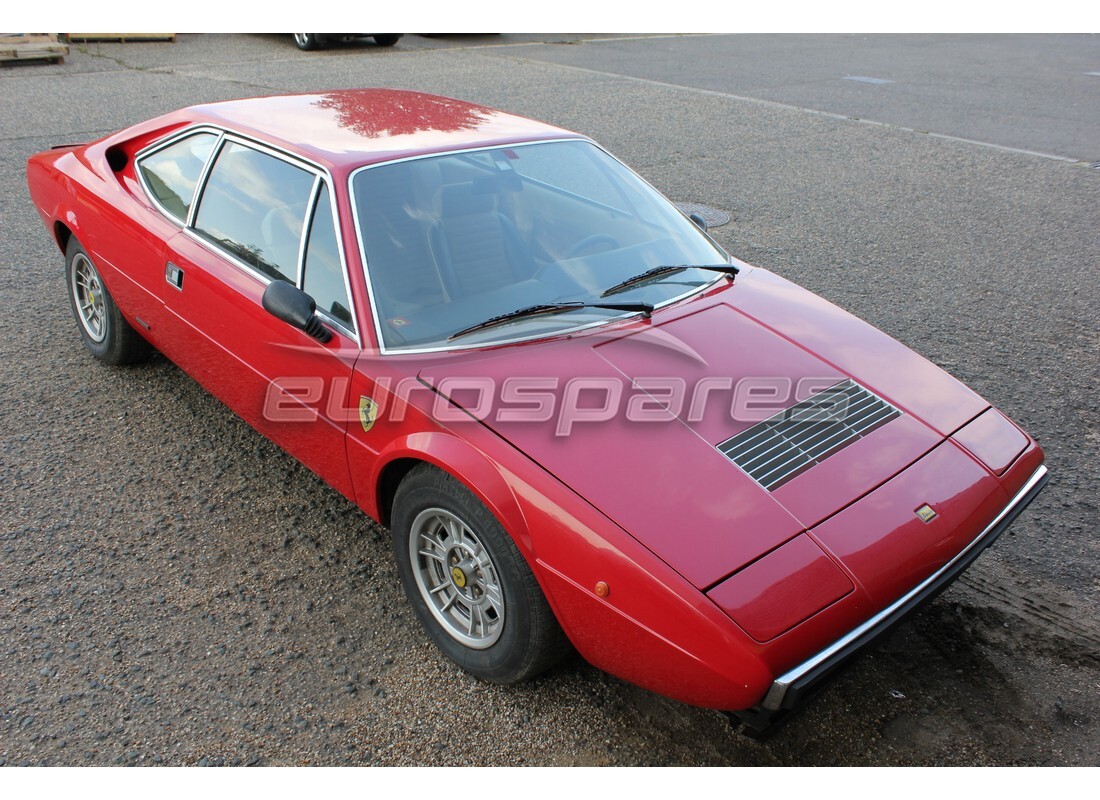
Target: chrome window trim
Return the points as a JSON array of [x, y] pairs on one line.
[[319, 172], [268, 151], [307, 222], [200, 187], [311, 213], [234, 260], [353, 332], [401, 351], [156, 147], [252, 272]]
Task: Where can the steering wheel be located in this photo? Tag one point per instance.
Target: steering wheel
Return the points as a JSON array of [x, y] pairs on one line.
[[590, 242]]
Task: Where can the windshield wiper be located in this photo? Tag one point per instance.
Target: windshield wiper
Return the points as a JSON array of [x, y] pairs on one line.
[[550, 308], [657, 272]]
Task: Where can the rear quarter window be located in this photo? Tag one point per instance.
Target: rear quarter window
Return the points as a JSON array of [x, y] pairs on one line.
[[171, 174]]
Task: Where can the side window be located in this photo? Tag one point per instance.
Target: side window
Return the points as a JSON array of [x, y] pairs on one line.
[[254, 206], [324, 272], [171, 174]]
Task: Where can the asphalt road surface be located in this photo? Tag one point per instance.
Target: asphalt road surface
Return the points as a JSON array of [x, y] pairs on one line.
[[176, 590]]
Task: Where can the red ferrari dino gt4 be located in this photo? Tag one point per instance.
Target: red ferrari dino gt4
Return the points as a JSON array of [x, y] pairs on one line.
[[584, 423]]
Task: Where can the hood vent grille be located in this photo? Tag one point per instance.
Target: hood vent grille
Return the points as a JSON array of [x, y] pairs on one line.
[[787, 444]]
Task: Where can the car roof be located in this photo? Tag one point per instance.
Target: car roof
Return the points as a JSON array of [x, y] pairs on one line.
[[347, 128]]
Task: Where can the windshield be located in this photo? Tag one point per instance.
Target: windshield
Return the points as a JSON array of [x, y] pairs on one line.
[[453, 240]]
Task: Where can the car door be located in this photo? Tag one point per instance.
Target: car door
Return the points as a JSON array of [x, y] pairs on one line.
[[155, 199], [264, 216]]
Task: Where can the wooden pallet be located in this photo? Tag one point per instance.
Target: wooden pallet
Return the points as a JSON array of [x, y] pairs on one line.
[[122, 37], [23, 46]]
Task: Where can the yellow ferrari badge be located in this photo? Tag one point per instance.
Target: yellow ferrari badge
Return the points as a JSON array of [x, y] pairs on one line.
[[926, 513], [368, 413]]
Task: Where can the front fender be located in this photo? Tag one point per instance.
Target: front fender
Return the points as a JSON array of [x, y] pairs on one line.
[[652, 628], [467, 464]]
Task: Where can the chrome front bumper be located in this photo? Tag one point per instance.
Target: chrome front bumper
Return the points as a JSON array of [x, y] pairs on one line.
[[793, 686]]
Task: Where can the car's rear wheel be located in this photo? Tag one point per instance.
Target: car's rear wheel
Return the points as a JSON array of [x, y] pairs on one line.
[[106, 334], [468, 583], [386, 39]]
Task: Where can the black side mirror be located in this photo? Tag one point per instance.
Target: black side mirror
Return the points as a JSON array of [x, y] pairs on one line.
[[287, 302], [699, 221]]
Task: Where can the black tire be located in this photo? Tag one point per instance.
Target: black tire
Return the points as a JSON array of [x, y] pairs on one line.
[[520, 641], [386, 39], [309, 41], [105, 332]]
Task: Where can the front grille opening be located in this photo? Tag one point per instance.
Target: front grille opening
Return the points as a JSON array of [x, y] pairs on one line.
[[787, 444]]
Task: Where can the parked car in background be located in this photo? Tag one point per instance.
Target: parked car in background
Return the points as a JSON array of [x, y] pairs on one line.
[[315, 41]]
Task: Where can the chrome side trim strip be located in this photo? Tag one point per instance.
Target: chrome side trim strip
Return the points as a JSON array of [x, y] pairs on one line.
[[838, 650]]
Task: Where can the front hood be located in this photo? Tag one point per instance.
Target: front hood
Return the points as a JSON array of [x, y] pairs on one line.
[[631, 417]]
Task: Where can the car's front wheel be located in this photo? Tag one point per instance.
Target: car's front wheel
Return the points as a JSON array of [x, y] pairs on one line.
[[105, 332], [468, 583], [386, 39]]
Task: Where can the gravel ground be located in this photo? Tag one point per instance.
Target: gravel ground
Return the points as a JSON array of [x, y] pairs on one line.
[[177, 590]]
